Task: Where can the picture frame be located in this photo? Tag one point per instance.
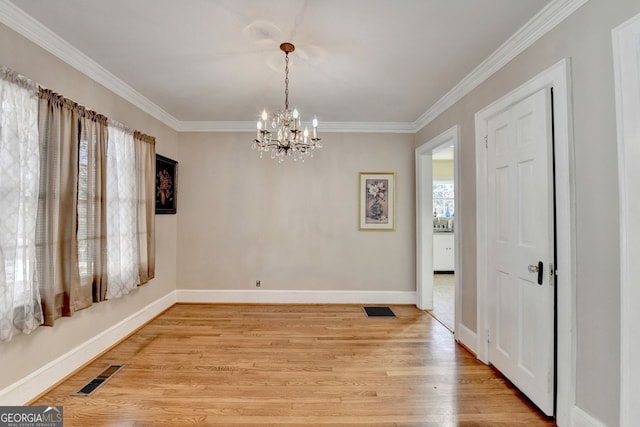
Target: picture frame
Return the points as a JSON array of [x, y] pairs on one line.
[[377, 201], [166, 191]]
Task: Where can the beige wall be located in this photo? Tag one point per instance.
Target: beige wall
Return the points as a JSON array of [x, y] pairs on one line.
[[293, 226], [27, 353], [585, 38]]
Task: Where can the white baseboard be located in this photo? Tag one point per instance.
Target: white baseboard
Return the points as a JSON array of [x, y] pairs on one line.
[[466, 337], [294, 297], [579, 418], [29, 387]]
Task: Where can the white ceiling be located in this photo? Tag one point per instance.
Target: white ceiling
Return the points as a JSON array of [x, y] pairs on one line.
[[355, 60]]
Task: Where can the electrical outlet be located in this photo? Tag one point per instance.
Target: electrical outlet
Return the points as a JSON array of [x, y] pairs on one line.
[[257, 283]]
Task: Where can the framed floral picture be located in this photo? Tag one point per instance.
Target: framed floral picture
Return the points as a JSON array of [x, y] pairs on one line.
[[377, 201], [166, 185]]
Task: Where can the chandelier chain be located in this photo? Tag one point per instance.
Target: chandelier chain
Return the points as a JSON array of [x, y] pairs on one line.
[[286, 81]]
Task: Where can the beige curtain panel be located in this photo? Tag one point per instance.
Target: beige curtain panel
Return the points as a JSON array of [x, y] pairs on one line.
[[61, 289], [145, 147]]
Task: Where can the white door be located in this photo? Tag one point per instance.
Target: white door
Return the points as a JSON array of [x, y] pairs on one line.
[[521, 235]]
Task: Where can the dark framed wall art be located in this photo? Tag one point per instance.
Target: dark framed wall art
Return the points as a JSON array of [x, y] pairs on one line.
[[166, 185]]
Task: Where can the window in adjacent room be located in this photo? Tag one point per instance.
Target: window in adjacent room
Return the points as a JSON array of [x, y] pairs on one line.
[[443, 205]]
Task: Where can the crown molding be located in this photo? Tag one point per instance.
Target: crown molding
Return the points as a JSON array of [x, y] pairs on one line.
[[350, 127], [205, 126], [369, 127], [22, 23], [543, 22]]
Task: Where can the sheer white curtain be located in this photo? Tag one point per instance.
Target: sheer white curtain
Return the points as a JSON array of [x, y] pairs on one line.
[[122, 214], [20, 309]]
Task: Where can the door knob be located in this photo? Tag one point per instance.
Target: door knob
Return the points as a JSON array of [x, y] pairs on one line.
[[537, 269]]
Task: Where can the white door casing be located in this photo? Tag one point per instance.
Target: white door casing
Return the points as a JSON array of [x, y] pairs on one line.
[[626, 56], [424, 228], [558, 77], [520, 235]]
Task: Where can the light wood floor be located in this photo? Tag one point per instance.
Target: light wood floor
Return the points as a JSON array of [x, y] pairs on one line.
[[292, 364], [444, 299]]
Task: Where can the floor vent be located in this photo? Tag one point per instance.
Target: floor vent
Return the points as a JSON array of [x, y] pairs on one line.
[[98, 381], [379, 312]]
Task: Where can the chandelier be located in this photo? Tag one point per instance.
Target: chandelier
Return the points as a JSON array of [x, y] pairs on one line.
[[281, 133]]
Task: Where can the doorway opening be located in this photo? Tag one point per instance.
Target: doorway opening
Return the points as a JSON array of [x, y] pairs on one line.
[[439, 228], [444, 211]]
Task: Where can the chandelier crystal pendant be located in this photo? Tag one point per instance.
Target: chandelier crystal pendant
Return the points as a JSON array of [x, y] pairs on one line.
[[281, 133]]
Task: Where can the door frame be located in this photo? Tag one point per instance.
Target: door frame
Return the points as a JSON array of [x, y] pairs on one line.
[[424, 228], [626, 39], [557, 77]]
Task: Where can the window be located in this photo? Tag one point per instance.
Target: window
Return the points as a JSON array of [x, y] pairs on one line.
[[69, 207], [443, 205]]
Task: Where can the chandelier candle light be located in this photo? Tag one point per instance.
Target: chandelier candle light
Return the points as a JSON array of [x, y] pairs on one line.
[[281, 133]]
